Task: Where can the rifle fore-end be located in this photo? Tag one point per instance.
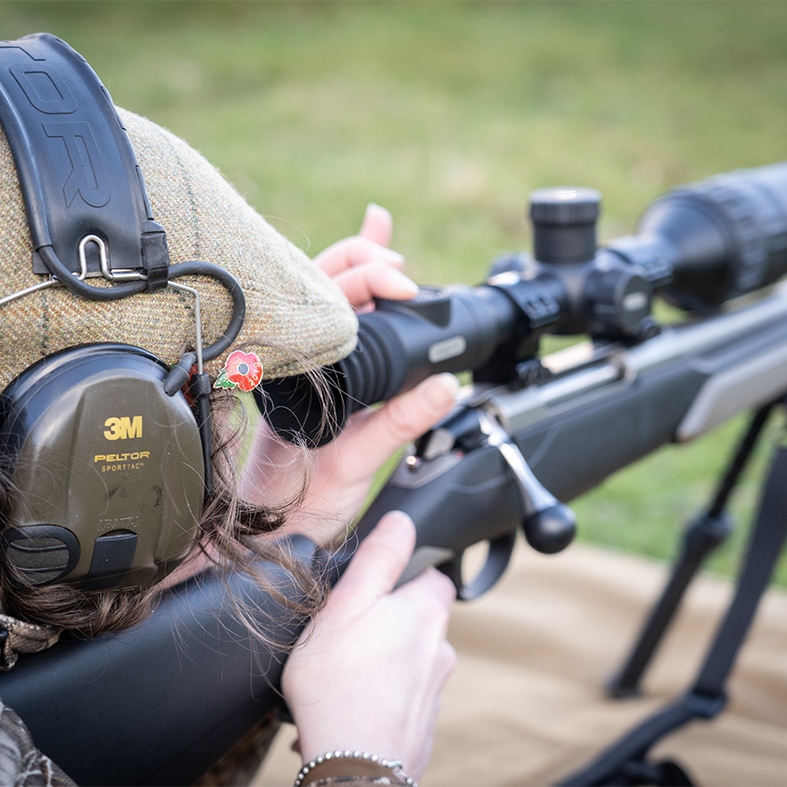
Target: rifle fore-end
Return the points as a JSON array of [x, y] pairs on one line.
[[681, 385]]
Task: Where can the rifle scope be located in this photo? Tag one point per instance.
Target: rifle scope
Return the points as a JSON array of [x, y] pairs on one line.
[[700, 245]]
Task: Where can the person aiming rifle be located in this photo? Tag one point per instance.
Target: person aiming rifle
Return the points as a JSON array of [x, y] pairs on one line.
[[367, 674], [142, 500]]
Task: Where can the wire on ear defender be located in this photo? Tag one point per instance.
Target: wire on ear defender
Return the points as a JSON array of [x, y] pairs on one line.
[[106, 462]]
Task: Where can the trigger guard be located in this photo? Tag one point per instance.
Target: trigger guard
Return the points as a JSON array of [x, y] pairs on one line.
[[497, 559]]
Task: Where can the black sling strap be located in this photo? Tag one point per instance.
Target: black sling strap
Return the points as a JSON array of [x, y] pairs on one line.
[[625, 762]]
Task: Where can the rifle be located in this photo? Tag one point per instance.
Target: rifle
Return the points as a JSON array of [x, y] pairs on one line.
[[161, 702]]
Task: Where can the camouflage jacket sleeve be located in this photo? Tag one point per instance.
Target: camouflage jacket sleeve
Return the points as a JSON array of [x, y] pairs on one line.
[[21, 763]]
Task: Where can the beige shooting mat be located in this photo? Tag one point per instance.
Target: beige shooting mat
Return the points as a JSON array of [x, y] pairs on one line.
[[526, 704]]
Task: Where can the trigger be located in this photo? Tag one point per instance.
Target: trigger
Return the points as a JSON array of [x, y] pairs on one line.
[[497, 559]]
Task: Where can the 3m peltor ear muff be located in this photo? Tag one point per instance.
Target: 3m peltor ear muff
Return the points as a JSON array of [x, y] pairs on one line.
[[107, 474], [107, 465]]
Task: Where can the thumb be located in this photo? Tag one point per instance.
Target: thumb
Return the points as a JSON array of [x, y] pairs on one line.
[[401, 419], [377, 225], [378, 563]]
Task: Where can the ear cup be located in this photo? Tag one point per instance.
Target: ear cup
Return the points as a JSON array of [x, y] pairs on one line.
[[104, 469]]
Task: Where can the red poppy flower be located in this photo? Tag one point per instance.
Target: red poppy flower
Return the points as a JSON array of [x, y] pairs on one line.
[[244, 370]]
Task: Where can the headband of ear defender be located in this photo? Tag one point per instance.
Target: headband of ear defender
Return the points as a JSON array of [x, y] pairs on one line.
[[105, 462]]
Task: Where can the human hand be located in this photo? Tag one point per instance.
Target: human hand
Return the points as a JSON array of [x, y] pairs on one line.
[[368, 672], [364, 267], [341, 472]]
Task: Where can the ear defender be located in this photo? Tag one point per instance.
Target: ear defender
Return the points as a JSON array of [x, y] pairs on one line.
[[106, 464], [105, 470]]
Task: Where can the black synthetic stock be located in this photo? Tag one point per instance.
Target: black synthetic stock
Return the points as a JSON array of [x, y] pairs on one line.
[[161, 702]]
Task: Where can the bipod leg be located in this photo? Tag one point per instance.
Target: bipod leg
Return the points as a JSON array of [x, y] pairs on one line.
[[625, 762], [701, 537]]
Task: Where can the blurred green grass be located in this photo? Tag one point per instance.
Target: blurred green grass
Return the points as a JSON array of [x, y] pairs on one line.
[[449, 113]]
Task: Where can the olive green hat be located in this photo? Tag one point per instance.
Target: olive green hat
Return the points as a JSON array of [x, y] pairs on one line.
[[294, 313]]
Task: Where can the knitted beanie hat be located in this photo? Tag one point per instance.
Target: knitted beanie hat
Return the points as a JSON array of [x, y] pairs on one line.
[[294, 313]]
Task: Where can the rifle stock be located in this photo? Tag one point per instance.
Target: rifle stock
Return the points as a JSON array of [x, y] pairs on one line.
[[159, 703]]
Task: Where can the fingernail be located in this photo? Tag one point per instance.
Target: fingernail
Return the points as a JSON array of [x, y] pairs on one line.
[[441, 391], [373, 206], [389, 255], [399, 522], [405, 285], [399, 518]]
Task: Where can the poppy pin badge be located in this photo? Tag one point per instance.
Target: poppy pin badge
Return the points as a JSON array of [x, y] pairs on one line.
[[242, 370]]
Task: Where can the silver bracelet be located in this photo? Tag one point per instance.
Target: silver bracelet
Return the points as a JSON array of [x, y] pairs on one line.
[[395, 766]]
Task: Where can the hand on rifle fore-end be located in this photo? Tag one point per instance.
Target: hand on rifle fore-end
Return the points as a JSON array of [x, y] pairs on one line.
[[368, 672], [341, 472]]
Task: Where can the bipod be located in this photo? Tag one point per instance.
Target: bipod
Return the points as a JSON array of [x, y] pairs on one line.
[[625, 762], [701, 536]]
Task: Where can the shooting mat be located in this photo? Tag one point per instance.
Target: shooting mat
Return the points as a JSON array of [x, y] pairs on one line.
[[526, 703]]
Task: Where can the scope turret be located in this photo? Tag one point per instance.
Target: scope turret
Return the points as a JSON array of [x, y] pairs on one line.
[[564, 224]]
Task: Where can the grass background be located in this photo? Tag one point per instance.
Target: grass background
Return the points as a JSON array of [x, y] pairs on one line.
[[449, 113]]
